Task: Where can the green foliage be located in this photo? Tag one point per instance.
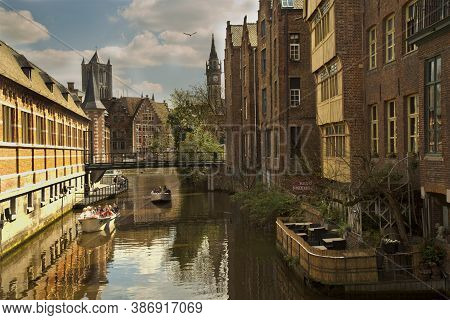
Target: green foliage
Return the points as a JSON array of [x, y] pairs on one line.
[[200, 140], [264, 205], [433, 253], [192, 116]]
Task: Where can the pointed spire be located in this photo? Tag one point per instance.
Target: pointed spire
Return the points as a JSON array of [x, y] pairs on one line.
[[153, 97], [109, 62], [213, 54], [92, 98], [142, 95], [83, 62], [95, 58]]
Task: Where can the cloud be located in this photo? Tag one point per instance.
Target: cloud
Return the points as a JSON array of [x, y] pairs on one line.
[[131, 88], [21, 28], [170, 19], [184, 16], [146, 50]]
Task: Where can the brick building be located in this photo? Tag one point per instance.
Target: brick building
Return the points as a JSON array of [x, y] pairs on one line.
[[249, 68], [429, 32], [286, 99], [42, 146], [233, 96], [138, 125]]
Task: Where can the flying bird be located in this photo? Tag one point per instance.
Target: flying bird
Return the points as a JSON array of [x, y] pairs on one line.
[[190, 34]]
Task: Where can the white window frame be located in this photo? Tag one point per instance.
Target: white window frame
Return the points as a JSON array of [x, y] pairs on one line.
[[390, 36], [295, 98], [374, 130], [391, 120], [413, 116], [414, 18], [372, 48]]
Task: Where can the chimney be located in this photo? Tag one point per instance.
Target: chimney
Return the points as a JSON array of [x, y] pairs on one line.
[[71, 86]]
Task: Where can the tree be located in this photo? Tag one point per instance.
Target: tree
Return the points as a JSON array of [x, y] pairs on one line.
[[194, 120]]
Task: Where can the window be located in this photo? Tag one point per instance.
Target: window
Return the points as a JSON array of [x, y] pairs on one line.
[[264, 101], [412, 24], [80, 139], [40, 130], [263, 61], [268, 143], [329, 85], [335, 141], [43, 197], [30, 202], [294, 51], [276, 143], [287, 3], [9, 124], [296, 146], [390, 39], [295, 91], [321, 25], [51, 132], [373, 48], [391, 118], [433, 112], [263, 28], [413, 124], [68, 136], [60, 134], [245, 109], [27, 137], [74, 138], [374, 135], [122, 145]]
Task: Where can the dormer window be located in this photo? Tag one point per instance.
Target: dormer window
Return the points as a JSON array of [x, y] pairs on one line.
[[27, 72], [287, 3], [50, 86]]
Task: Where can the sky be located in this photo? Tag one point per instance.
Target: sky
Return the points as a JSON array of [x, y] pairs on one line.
[[143, 38]]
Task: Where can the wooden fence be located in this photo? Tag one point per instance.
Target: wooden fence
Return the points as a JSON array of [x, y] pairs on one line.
[[329, 267]]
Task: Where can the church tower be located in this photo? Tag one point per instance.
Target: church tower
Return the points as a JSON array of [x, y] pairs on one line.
[[214, 77], [102, 76]]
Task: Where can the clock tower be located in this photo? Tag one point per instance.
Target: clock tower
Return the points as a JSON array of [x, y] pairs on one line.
[[214, 78]]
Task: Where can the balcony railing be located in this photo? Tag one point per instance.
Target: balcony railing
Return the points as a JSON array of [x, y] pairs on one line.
[[431, 12]]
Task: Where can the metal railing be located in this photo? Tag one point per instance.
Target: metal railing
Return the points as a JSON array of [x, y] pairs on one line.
[[431, 12], [155, 158], [100, 194]]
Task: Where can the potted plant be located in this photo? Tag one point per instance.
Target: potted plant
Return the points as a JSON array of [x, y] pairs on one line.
[[433, 257], [390, 246]]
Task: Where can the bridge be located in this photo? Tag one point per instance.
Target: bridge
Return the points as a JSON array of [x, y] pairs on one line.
[[110, 161]]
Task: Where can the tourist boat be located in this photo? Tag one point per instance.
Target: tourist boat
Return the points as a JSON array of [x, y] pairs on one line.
[[161, 196], [91, 221]]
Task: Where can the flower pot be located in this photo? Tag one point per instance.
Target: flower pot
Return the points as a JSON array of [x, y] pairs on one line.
[[391, 247]]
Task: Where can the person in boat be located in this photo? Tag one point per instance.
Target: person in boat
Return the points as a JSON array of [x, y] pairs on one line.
[[166, 190]]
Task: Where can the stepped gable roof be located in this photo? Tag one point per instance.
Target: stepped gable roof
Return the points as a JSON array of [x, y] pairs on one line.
[[12, 65], [236, 35]]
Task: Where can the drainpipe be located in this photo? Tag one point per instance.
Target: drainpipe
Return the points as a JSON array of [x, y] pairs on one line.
[[255, 99]]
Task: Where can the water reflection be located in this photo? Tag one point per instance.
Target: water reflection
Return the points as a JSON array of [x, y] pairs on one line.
[[200, 249]]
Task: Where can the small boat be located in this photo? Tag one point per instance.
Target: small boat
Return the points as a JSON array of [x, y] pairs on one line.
[[161, 195], [91, 221]]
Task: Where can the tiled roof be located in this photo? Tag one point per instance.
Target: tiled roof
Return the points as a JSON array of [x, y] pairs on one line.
[[253, 34], [236, 35], [11, 64], [133, 104]]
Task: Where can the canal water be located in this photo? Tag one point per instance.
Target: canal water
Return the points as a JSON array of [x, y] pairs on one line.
[[197, 247]]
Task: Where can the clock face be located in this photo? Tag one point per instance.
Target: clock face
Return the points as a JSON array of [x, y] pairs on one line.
[[215, 78]]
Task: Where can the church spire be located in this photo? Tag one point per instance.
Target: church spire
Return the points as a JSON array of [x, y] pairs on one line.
[[92, 99], [213, 54]]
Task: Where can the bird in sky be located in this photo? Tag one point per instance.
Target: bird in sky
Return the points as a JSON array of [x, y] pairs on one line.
[[190, 34]]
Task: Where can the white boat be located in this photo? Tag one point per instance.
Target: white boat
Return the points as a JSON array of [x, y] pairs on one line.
[[165, 196], [91, 222]]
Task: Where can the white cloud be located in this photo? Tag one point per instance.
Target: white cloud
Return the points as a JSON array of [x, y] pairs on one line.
[[20, 28]]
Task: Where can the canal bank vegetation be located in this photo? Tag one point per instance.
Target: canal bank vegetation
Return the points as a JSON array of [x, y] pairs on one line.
[[264, 204]]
